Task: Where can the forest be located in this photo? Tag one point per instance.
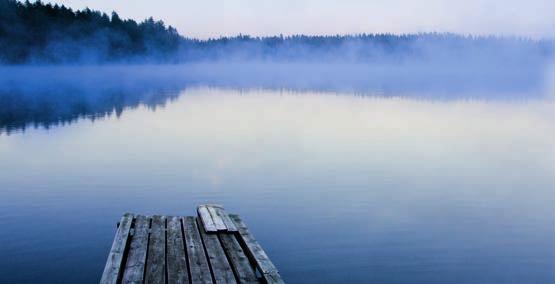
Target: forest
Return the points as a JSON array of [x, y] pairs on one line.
[[39, 33], [46, 33]]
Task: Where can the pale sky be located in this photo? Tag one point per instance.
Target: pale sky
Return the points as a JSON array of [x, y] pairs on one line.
[[213, 18]]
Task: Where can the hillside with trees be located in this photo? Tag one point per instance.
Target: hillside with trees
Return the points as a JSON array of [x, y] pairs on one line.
[[38, 33], [46, 33]]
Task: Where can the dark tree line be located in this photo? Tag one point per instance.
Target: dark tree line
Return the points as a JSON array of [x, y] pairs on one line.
[[44, 33], [373, 48]]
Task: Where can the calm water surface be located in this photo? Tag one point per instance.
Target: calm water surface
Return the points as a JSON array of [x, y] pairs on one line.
[[338, 188]]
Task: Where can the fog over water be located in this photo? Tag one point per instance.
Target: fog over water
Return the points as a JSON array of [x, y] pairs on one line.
[[430, 168], [353, 154], [404, 188], [210, 18], [354, 158], [48, 95]]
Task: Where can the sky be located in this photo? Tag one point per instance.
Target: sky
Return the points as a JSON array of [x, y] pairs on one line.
[[214, 18]]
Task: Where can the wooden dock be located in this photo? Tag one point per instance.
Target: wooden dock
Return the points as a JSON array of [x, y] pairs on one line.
[[214, 247]]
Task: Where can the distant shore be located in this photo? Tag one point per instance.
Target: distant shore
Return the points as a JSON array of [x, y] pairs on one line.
[[38, 33]]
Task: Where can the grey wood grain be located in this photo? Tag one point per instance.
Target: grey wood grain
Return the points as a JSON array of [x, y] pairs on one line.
[[216, 256], [238, 259], [136, 258], [218, 221], [156, 259], [198, 264], [113, 269], [255, 250], [225, 218], [206, 218], [273, 278], [177, 261]]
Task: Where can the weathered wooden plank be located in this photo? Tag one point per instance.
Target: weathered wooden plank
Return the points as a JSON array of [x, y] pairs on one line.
[[176, 259], [255, 250], [273, 278], [218, 261], [156, 259], [198, 264], [207, 220], [135, 264], [220, 217], [114, 264], [227, 221], [238, 259], [220, 226]]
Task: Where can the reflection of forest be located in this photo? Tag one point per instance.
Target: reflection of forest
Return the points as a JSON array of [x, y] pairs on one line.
[[48, 96], [64, 100]]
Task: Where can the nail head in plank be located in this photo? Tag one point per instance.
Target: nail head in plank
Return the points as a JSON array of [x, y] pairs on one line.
[[238, 259], [113, 269], [156, 259], [136, 258], [207, 220], [221, 268], [176, 260], [254, 248], [198, 264]]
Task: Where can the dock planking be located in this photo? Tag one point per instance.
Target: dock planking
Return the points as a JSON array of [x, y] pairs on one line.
[[255, 252], [214, 247], [175, 250], [215, 218], [156, 264], [239, 261], [198, 263], [115, 262], [136, 259], [221, 269]]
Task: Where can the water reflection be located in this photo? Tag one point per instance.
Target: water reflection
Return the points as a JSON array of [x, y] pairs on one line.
[[48, 96], [405, 190]]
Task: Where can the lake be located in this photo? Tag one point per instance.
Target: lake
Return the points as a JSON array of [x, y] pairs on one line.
[[339, 185]]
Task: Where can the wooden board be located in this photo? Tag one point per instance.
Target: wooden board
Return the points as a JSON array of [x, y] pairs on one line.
[[176, 259], [162, 249], [219, 213], [198, 264], [220, 226], [215, 219], [227, 221], [273, 278], [113, 269], [255, 251], [156, 258], [221, 268], [136, 259], [206, 218], [238, 259]]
